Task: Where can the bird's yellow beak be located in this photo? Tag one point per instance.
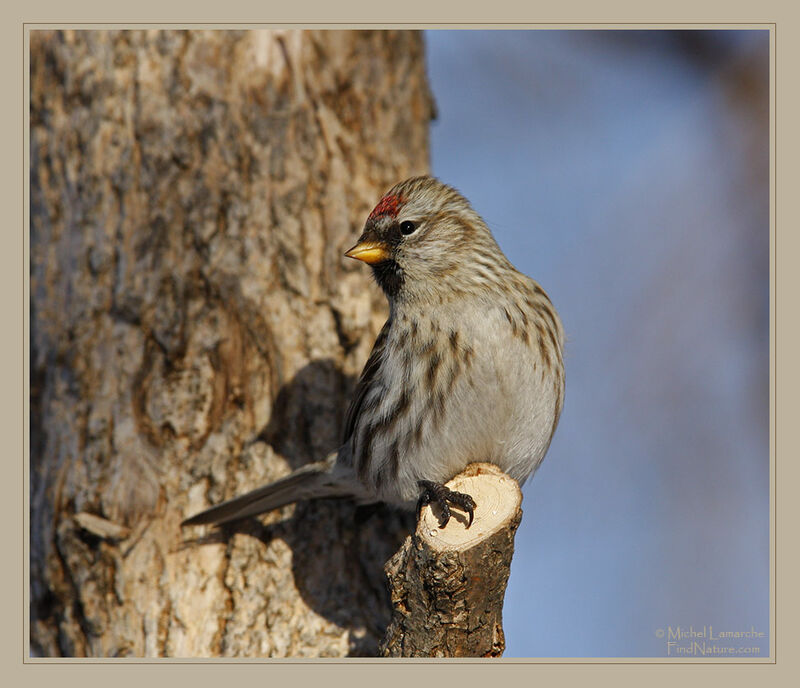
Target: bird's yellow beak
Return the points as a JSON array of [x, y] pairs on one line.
[[370, 252]]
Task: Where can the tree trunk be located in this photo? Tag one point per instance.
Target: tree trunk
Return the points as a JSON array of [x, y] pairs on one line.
[[448, 585], [195, 331]]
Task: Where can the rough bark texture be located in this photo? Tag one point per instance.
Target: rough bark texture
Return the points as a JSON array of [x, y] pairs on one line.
[[195, 331], [447, 586]]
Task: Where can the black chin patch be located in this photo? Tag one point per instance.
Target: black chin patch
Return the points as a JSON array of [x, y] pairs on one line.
[[389, 275]]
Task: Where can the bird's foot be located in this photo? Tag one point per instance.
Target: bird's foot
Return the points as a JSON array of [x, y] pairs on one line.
[[444, 497]]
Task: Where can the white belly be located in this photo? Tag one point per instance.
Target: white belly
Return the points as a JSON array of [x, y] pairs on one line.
[[500, 404]]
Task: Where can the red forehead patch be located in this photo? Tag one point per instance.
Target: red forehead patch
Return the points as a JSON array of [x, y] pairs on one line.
[[388, 205]]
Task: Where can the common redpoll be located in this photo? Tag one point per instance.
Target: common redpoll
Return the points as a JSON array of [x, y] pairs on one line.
[[468, 367]]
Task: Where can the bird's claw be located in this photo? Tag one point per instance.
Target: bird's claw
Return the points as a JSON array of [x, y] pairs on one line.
[[444, 496]]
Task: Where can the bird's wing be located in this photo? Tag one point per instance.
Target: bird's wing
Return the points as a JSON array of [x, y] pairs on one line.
[[371, 368]]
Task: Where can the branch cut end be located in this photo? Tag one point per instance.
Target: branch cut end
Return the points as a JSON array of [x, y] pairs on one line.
[[497, 498]]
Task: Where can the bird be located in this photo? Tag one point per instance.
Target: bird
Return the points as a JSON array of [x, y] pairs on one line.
[[469, 366]]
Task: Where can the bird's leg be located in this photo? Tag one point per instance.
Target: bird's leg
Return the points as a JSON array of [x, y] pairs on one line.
[[443, 496]]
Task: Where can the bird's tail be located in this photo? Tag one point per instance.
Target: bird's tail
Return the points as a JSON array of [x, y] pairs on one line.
[[312, 481]]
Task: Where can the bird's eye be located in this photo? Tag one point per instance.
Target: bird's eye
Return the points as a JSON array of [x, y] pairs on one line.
[[407, 227]]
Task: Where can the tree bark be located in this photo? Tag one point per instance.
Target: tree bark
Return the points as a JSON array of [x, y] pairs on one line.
[[195, 331], [447, 585]]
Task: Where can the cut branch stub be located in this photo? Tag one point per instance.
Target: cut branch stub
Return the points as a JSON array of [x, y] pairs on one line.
[[447, 585]]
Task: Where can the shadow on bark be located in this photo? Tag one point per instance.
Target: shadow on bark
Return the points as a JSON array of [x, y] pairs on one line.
[[307, 414], [338, 548]]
